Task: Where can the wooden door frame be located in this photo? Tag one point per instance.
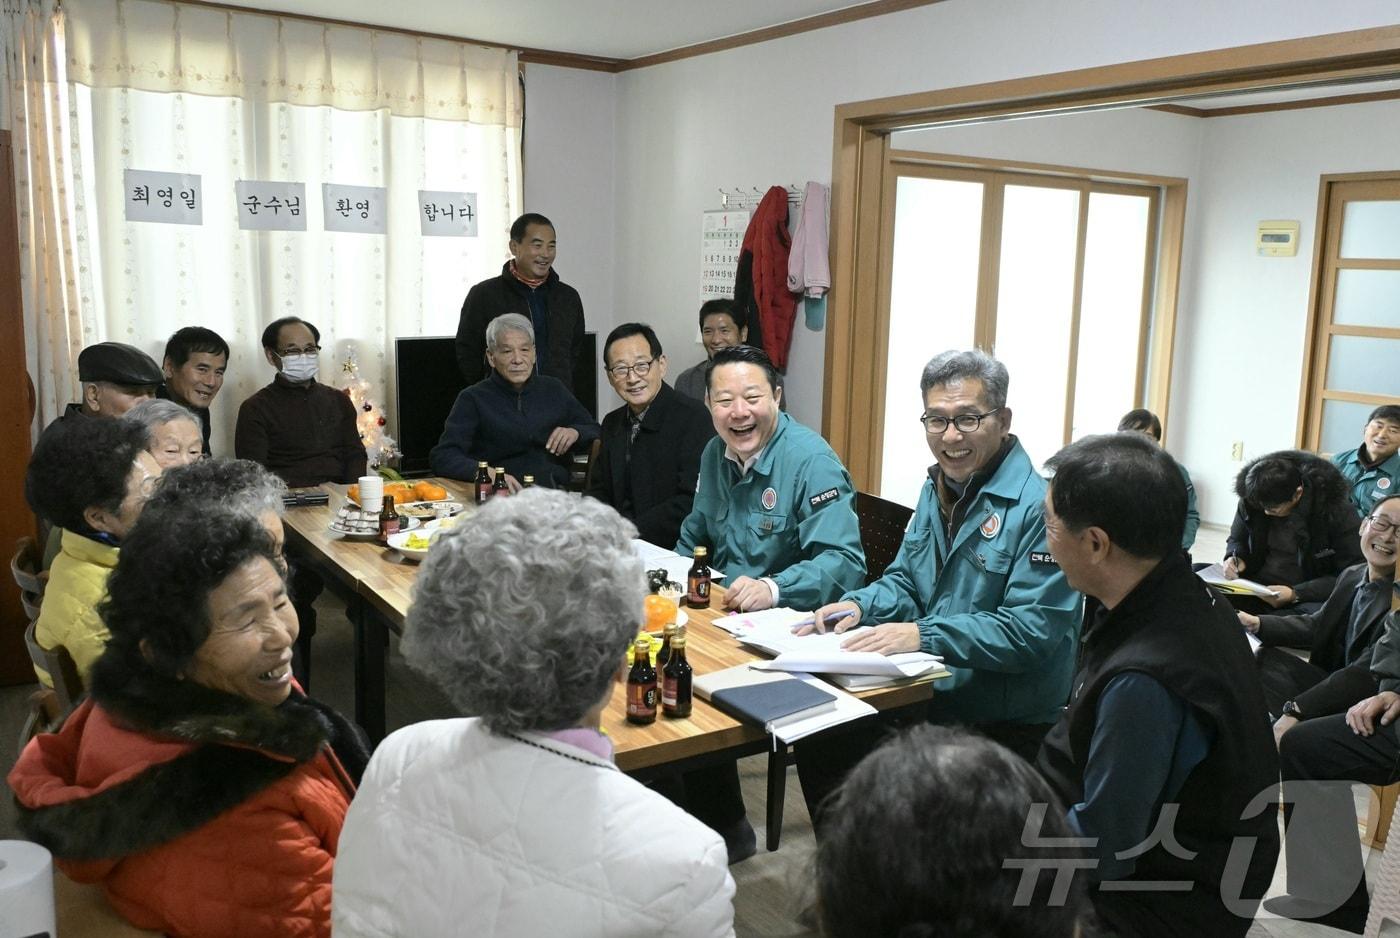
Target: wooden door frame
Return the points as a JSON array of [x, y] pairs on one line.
[[1321, 293], [858, 311]]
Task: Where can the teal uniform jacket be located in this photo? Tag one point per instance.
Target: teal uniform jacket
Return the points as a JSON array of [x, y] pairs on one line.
[[1368, 486], [791, 518], [992, 603], [1193, 517]]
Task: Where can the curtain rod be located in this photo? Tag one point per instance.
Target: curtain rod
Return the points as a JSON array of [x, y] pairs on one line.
[[527, 54]]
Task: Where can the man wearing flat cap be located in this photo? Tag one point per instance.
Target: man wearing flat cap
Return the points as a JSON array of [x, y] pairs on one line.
[[115, 378]]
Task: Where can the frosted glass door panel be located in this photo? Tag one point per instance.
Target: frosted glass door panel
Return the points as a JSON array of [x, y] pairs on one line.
[[1110, 311], [1342, 423], [933, 305], [1363, 364], [1371, 230], [1034, 305], [1367, 298]]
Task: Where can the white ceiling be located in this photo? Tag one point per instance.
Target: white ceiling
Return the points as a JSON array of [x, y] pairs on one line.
[[622, 29]]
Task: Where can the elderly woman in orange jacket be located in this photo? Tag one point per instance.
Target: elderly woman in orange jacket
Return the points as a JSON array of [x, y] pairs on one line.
[[197, 784]]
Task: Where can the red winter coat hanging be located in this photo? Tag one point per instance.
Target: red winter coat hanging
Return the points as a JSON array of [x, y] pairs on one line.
[[760, 283]]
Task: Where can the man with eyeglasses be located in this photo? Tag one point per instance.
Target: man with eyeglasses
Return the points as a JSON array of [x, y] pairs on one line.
[[650, 456], [306, 433], [973, 581], [1339, 732], [1340, 635], [1294, 531]]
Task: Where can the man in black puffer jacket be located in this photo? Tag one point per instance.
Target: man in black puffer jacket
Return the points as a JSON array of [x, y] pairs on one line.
[[1295, 529]]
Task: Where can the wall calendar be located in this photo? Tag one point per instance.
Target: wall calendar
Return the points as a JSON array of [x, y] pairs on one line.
[[721, 236]]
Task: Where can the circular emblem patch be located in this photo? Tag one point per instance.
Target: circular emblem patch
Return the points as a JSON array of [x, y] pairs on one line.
[[1382, 483], [991, 526], [770, 499]]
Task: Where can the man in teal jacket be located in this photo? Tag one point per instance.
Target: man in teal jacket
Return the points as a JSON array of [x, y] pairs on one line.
[[1373, 468], [973, 582], [774, 505], [775, 508]]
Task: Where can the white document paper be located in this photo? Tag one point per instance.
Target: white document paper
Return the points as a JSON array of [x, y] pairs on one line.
[[447, 214], [358, 209], [771, 631], [1215, 576], [270, 206], [677, 567], [169, 198], [1254, 643]]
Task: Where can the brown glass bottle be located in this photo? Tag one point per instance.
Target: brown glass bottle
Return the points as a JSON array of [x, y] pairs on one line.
[[664, 655], [641, 684], [483, 482], [500, 488], [676, 681], [527, 482], [697, 582], [389, 521]]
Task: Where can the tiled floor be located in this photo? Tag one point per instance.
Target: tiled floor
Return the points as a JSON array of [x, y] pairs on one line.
[[773, 888]]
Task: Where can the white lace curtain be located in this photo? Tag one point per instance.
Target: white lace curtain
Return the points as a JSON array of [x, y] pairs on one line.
[[101, 86]]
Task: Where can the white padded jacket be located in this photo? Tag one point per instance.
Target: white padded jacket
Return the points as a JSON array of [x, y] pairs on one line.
[[456, 831]]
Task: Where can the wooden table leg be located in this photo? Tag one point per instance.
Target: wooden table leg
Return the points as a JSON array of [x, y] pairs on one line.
[[371, 648], [777, 789]]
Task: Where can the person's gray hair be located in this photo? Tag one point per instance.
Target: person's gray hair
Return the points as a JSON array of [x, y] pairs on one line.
[[239, 485], [522, 613], [507, 322], [950, 366], [157, 412]]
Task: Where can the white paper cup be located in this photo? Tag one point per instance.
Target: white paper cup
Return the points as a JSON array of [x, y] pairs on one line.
[[372, 493]]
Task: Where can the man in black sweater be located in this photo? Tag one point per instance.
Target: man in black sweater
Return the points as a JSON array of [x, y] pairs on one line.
[[1163, 756], [527, 285]]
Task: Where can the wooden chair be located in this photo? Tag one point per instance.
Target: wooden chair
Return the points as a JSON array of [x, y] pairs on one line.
[[1384, 917], [67, 685], [582, 475], [45, 715], [1378, 814], [882, 525], [26, 567]]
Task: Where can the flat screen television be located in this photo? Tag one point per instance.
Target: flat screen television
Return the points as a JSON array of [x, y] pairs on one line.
[[426, 386]]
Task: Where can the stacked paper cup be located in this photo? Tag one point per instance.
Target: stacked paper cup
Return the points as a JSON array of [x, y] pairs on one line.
[[26, 890], [372, 494]]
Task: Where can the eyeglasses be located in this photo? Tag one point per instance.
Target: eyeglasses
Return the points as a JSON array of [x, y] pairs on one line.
[[965, 423], [309, 350], [1381, 524], [640, 369]]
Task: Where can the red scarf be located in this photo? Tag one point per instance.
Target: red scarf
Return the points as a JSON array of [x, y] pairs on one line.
[[533, 283]]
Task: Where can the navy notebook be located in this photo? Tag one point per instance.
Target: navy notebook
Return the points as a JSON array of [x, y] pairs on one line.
[[773, 702]]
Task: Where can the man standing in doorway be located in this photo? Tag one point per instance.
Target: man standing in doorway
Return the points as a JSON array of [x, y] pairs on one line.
[[527, 285]]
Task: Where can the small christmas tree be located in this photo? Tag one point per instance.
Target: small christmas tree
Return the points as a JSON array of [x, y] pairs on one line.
[[379, 446]]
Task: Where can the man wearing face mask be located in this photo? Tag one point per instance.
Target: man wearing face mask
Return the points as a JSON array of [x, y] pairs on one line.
[[306, 433], [297, 427]]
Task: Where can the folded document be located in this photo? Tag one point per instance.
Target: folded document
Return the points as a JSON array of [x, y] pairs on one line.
[[1215, 576]]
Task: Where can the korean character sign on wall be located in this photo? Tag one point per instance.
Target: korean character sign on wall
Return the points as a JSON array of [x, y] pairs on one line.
[[168, 198], [358, 209], [270, 206], [447, 214]]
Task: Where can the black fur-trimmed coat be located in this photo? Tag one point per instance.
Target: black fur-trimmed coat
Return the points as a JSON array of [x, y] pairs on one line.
[[1331, 538], [200, 812]]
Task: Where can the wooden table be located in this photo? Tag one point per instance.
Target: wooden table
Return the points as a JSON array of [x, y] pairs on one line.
[[377, 584]]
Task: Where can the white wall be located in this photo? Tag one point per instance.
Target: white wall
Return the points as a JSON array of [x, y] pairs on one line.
[[1240, 342], [569, 138], [763, 114]]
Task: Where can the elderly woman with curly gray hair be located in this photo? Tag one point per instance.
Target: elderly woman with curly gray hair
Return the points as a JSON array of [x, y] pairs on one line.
[[514, 820]]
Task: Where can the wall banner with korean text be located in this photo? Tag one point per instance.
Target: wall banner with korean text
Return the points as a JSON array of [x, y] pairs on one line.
[[168, 198], [447, 214], [271, 206], [358, 209]]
